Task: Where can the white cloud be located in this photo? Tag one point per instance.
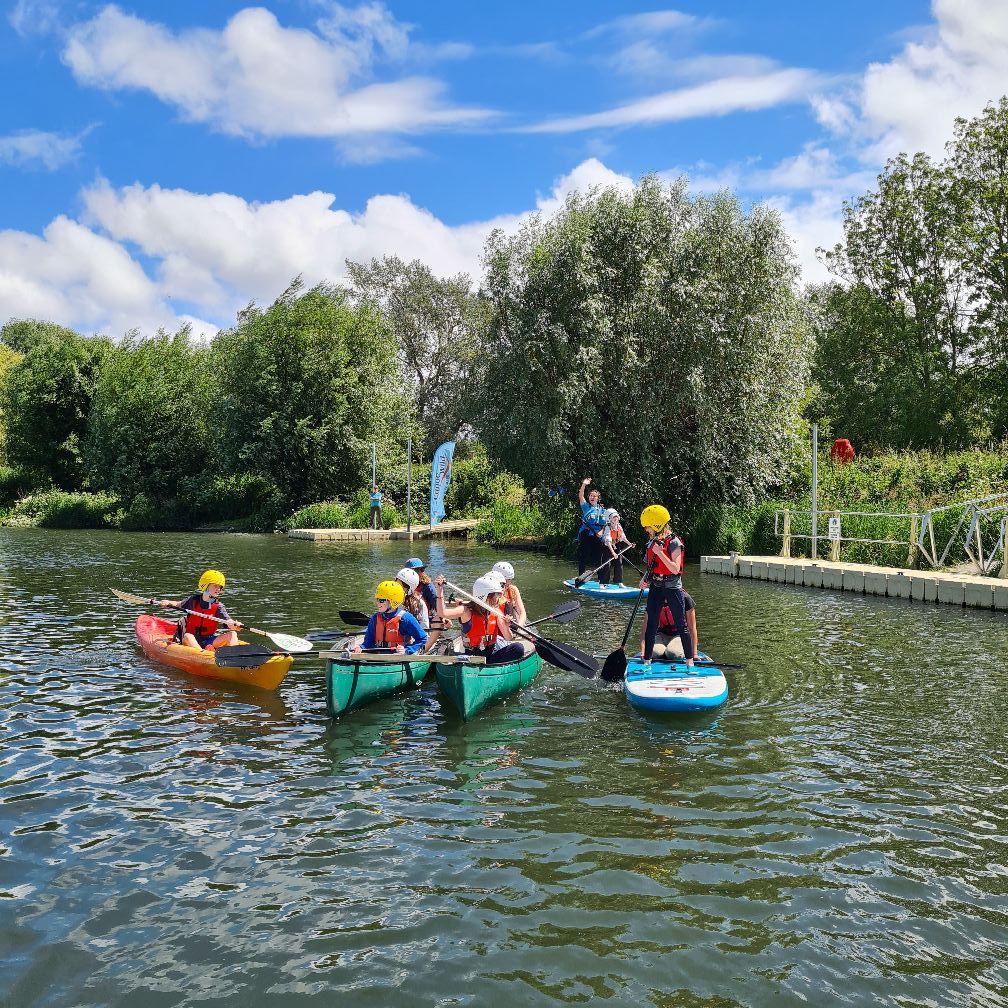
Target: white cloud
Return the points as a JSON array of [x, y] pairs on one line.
[[909, 103], [212, 253], [257, 78], [34, 17], [39, 149], [718, 97]]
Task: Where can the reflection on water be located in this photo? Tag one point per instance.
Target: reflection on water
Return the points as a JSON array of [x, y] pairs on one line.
[[836, 831]]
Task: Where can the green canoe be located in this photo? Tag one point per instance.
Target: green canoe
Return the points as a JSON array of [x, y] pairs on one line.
[[471, 688], [353, 680]]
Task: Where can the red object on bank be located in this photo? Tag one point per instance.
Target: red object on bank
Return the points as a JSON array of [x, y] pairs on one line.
[[842, 450]]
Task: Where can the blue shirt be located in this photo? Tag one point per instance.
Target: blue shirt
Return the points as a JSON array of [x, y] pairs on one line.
[[592, 518], [411, 632]]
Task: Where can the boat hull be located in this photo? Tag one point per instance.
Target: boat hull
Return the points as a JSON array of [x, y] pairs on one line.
[[156, 639], [671, 685], [351, 684], [608, 591], [471, 688]]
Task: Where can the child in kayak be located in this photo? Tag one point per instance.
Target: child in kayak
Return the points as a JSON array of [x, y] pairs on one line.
[[195, 628], [391, 626], [613, 541], [487, 634], [664, 563], [511, 601], [427, 592], [413, 602]]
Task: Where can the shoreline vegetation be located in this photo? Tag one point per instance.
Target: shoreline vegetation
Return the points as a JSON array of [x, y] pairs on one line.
[[658, 341]]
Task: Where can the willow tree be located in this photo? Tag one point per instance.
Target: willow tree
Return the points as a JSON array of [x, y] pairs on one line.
[[649, 339]]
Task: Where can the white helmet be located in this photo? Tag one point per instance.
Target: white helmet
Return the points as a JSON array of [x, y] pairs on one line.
[[611, 515], [409, 577], [505, 570], [488, 584]]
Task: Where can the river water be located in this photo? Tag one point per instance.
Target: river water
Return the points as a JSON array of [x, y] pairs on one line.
[[835, 833]]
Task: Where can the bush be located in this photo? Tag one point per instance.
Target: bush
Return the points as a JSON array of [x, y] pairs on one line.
[[65, 509]]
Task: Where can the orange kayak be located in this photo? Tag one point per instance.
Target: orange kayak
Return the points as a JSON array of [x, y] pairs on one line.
[[156, 638]]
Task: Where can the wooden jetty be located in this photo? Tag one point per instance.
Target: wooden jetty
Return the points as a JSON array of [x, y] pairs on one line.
[[443, 529]]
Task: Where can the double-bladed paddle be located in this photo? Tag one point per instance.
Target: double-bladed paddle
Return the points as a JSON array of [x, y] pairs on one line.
[[563, 656], [581, 578], [288, 643]]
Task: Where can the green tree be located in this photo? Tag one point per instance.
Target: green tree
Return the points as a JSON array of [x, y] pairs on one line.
[[903, 254], [663, 339], [977, 163], [306, 387], [148, 429], [46, 399], [438, 326]]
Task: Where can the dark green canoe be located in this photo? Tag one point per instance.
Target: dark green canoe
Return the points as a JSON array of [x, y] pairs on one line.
[[352, 681], [473, 687]]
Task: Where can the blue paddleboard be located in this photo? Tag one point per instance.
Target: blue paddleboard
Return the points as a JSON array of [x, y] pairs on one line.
[[605, 591], [674, 686]]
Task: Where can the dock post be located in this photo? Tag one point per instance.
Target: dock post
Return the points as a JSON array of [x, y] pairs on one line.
[[786, 536]]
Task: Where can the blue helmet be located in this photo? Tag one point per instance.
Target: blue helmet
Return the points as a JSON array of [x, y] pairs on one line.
[[415, 563]]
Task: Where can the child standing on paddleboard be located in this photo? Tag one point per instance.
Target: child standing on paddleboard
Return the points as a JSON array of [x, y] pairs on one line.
[[664, 562]]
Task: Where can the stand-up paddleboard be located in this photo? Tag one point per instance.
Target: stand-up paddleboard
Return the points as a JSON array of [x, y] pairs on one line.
[[671, 685], [605, 591]]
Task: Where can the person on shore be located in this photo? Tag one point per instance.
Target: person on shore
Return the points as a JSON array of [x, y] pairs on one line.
[[511, 601], [426, 586], [392, 626], [196, 628], [664, 578], [375, 518], [614, 540], [593, 525], [487, 634]]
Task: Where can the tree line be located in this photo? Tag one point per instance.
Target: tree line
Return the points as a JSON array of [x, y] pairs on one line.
[[655, 340]]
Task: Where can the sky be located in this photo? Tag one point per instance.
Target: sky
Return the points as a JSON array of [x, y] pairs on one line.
[[164, 164]]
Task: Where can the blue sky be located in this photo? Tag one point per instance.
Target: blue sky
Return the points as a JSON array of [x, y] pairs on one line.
[[164, 163]]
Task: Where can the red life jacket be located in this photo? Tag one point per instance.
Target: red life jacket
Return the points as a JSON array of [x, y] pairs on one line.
[[658, 566], [197, 625], [482, 632], [387, 630]]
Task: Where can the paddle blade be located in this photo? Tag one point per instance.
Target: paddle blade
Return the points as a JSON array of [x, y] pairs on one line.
[[242, 656], [570, 659], [568, 612], [352, 618], [614, 667], [290, 643]]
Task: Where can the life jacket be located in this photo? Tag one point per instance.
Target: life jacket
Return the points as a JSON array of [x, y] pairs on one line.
[[482, 632], [387, 632], [197, 625], [658, 566]]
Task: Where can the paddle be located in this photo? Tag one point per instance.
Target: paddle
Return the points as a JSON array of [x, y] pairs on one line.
[[563, 656], [614, 667], [288, 643], [581, 578], [352, 618]]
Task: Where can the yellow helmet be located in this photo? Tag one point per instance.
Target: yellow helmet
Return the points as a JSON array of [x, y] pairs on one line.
[[211, 577], [392, 592], [654, 516]]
